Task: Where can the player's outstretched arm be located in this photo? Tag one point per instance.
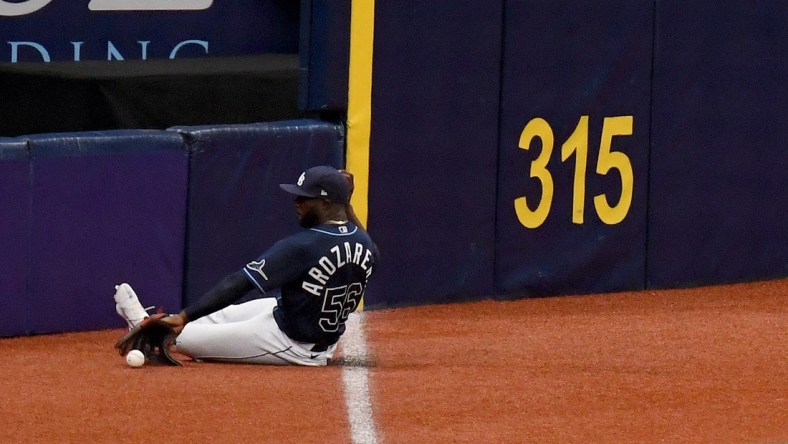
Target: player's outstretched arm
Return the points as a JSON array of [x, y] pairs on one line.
[[226, 292]]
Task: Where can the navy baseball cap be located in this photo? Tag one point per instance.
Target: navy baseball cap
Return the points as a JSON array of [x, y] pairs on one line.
[[321, 182]]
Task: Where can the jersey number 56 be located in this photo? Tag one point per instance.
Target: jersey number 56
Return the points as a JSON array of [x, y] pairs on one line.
[[338, 303]]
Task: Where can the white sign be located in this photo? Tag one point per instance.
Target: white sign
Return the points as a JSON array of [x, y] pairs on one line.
[[9, 9]]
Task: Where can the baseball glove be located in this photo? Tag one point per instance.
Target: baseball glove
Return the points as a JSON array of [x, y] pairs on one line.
[[153, 338]]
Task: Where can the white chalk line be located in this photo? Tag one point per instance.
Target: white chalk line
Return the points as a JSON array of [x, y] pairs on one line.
[[355, 379]]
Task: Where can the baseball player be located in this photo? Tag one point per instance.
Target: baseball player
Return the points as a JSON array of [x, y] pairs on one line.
[[321, 272]]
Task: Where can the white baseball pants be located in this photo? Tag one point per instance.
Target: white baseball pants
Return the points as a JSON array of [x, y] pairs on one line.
[[246, 333]]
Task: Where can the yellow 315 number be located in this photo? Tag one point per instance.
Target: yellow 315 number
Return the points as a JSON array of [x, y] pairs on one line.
[[577, 144]]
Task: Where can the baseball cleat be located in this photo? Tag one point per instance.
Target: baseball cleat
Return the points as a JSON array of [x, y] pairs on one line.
[[128, 306]]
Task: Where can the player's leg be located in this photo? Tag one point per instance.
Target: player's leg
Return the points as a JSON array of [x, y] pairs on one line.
[[256, 340], [237, 312]]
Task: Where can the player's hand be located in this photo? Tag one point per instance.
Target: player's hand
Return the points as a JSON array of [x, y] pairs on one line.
[[177, 322], [349, 176]]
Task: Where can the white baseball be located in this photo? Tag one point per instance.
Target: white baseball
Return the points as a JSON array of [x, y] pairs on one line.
[[135, 358]]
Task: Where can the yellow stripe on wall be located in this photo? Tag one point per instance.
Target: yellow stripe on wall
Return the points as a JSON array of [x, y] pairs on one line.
[[362, 31], [359, 114]]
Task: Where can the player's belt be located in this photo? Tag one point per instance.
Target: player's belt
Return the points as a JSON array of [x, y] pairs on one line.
[[317, 348]]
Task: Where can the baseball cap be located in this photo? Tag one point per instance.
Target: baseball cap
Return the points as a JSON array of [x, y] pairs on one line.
[[321, 182]]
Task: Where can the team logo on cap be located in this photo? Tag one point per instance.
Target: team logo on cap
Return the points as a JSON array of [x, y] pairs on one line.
[[301, 179]]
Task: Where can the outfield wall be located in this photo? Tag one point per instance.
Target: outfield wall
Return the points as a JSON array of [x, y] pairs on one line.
[[78, 218], [515, 149], [168, 211], [236, 209], [530, 148]]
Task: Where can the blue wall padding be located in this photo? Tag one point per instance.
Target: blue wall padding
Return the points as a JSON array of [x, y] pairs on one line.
[[433, 156], [561, 61], [14, 234], [108, 207], [718, 165], [236, 208], [324, 55]]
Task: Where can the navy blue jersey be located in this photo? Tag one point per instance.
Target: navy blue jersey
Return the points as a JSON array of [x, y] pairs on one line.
[[322, 273]]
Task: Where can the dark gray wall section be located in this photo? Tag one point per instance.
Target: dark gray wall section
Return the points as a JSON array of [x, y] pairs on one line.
[[91, 95]]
